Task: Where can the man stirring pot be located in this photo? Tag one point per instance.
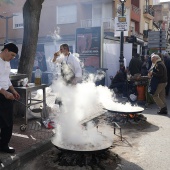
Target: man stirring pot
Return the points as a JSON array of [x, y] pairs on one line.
[[7, 95]]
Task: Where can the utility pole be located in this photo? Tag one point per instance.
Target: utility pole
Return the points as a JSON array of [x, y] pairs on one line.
[[6, 19], [121, 61]]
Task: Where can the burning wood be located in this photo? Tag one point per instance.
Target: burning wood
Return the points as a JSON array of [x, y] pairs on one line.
[[95, 160]]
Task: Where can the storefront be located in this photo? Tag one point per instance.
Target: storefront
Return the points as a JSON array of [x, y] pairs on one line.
[[137, 46]]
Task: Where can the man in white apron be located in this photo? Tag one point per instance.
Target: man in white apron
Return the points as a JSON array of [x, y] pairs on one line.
[[7, 95]]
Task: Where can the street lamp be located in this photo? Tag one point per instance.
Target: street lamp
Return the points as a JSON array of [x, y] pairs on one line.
[[121, 61], [6, 19]]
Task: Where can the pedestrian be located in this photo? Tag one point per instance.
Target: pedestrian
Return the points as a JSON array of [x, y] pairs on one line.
[[119, 81], [7, 95], [144, 68], [70, 65], [135, 65], [167, 64], [159, 73]]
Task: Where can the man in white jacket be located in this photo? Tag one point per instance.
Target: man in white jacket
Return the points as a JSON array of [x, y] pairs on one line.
[[70, 65], [7, 95]]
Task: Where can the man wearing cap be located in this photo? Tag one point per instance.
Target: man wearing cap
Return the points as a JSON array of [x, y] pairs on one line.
[[160, 73], [7, 95]]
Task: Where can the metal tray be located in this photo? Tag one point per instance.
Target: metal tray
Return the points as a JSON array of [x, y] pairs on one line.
[[18, 76]]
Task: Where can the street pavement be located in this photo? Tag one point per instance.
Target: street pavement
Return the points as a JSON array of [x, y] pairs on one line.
[[145, 144]]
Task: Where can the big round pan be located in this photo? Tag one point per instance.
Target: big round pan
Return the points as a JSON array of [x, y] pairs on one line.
[[132, 110], [105, 146]]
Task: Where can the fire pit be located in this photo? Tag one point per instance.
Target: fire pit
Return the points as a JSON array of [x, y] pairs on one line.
[[86, 154], [85, 159], [103, 159], [123, 116]]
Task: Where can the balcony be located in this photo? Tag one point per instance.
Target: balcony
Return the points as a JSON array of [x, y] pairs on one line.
[[148, 12], [107, 23], [135, 13]]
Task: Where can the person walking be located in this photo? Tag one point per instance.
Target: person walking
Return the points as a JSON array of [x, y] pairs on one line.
[[7, 95], [159, 72], [70, 65]]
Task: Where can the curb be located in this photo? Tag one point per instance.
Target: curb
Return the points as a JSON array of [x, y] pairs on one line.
[[21, 158]]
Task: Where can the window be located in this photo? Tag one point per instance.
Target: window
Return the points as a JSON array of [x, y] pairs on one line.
[[66, 14], [166, 6], [18, 21], [97, 11], [132, 28]]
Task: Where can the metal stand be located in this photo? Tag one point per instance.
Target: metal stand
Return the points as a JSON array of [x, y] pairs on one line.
[[116, 126], [28, 101]]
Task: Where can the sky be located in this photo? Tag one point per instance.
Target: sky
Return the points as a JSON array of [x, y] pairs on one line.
[[164, 0]]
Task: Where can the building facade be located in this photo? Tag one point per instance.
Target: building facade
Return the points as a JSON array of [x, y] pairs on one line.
[[60, 20]]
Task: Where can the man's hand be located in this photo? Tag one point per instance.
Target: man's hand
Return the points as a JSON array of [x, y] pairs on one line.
[[16, 95], [14, 92], [9, 95], [56, 55]]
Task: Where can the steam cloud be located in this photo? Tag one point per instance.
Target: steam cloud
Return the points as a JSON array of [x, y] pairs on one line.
[[80, 103]]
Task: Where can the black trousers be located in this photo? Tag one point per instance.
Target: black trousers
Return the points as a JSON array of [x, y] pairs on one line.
[[5, 137], [6, 120]]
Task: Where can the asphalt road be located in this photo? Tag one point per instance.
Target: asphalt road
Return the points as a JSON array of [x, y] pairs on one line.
[[145, 146]]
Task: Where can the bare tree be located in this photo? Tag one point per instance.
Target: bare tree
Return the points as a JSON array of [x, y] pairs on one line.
[[31, 16]]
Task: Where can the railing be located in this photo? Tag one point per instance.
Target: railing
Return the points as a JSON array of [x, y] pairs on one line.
[[136, 9], [148, 9], [107, 23]]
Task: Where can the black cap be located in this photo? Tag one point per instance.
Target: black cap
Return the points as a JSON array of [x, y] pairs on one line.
[[11, 47]]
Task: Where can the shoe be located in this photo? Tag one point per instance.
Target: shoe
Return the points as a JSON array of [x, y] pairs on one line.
[[7, 150], [124, 97], [163, 111]]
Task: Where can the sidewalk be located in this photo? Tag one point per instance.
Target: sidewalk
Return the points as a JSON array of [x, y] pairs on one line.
[[28, 144]]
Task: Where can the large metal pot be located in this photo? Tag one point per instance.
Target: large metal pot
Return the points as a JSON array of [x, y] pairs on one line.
[[122, 110], [106, 144], [18, 76]]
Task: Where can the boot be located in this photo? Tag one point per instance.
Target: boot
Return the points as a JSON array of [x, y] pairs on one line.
[[163, 111]]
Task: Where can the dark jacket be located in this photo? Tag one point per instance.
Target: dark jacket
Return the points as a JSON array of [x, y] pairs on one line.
[[144, 70], [153, 83], [167, 64], [119, 77], [161, 72], [135, 66]]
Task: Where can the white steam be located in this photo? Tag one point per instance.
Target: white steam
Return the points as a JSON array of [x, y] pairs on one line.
[[80, 104], [55, 35]]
